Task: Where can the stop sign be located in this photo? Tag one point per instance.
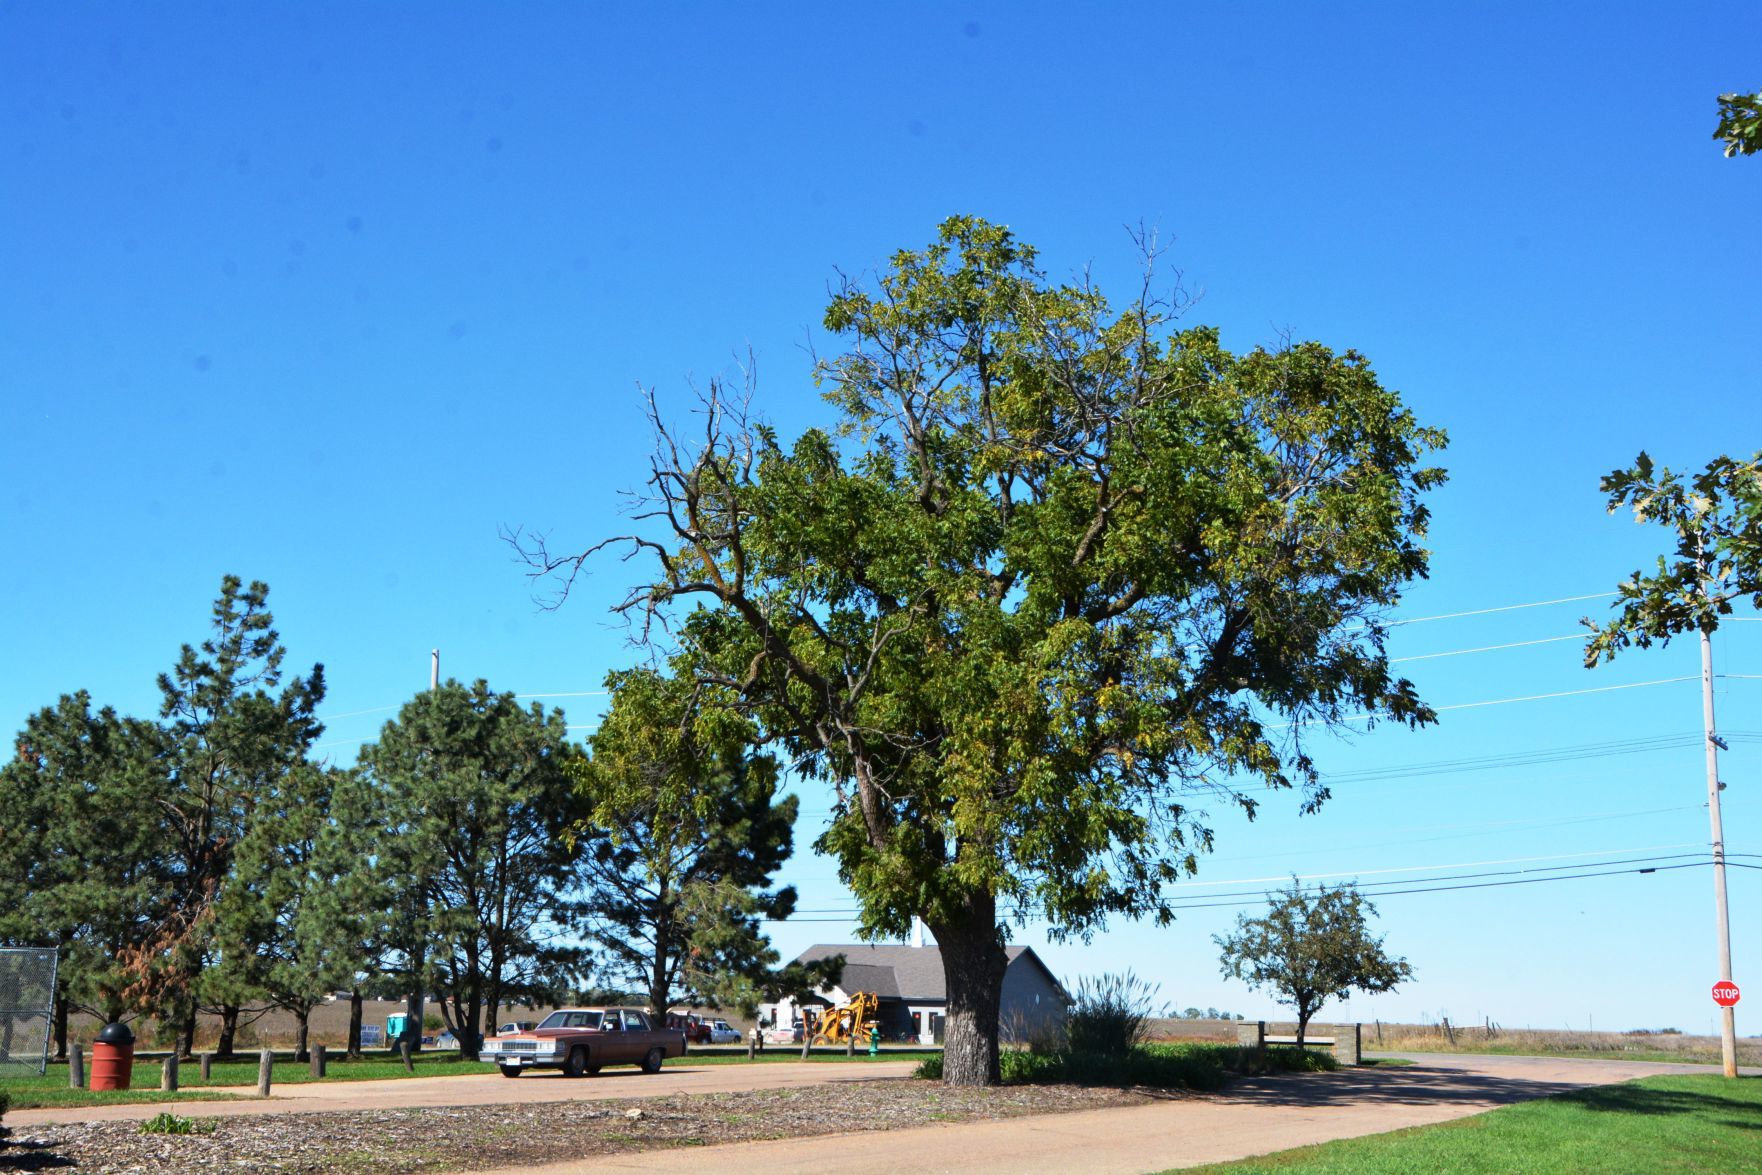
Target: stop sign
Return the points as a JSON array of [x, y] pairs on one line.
[[1725, 993]]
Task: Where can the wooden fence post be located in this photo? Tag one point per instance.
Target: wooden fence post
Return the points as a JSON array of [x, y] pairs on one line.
[[318, 1062], [404, 1050], [168, 1074], [265, 1068], [76, 1066], [207, 1067]]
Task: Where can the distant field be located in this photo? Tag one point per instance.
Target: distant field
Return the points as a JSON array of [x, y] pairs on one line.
[[1675, 1047], [1680, 1048], [1663, 1125]]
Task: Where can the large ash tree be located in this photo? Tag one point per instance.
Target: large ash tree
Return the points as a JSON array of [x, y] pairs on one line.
[[1061, 571]]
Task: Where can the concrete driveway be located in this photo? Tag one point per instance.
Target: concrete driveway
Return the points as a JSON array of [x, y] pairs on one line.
[[1251, 1118]]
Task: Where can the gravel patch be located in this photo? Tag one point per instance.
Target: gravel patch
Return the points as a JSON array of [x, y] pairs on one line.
[[470, 1138]]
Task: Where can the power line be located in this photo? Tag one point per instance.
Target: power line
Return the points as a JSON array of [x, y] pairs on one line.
[[1503, 608], [1210, 905], [1559, 872], [1533, 757], [1547, 640], [1600, 689]]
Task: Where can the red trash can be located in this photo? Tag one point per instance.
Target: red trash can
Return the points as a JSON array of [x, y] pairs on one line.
[[113, 1057]]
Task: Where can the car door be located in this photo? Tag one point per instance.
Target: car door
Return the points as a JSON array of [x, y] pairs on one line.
[[611, 1041], [643, 1036]]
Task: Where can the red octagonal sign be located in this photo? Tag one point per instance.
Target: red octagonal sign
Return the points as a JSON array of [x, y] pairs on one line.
[[1725, 993]]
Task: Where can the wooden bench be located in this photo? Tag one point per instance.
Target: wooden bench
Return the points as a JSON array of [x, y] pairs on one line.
[[1343, 1040]]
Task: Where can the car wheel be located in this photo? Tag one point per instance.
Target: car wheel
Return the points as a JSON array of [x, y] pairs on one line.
[[652, 1062], [509, 1070], [576, 1065]]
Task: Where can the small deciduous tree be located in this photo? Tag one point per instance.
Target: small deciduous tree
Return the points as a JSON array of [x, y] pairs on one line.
[[684, 830], [1310, 947]]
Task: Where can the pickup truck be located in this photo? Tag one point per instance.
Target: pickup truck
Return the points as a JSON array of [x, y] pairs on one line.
[[580, 1041]]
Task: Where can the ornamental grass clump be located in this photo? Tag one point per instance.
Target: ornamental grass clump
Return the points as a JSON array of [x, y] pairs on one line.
[[1110, 1015]]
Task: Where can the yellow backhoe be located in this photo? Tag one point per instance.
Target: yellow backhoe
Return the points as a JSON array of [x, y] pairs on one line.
[[855, 1017]]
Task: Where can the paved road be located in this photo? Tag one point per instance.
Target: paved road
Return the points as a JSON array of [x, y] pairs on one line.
[[491, 1090], [1251, 1118]]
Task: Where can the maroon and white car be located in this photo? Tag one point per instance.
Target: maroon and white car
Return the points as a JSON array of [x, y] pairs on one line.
[[580, 1041]]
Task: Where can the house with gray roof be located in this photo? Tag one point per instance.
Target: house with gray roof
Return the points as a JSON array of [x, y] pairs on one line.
[[913, 995]]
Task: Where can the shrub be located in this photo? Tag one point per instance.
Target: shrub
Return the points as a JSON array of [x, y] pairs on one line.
[[1151, 1066], [1109, 1015]]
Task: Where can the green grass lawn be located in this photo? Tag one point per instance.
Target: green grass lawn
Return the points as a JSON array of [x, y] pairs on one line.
[[51, 1089], [1664, 1125]]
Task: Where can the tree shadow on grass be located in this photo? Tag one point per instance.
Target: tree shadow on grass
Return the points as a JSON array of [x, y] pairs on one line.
[[1639, 1099], [1421, 1085], [1414, 1086]]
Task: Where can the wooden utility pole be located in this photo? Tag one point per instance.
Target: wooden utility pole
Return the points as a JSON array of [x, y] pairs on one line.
[[1728, 1032]]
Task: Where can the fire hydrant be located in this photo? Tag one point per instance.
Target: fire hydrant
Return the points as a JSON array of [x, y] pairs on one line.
[[874, 1040], [113, 1057]]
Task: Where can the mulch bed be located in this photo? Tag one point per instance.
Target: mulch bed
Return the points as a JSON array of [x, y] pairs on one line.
[[475, 1138]]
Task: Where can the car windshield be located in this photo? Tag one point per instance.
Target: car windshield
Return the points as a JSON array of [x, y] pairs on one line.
[[572, 1020]]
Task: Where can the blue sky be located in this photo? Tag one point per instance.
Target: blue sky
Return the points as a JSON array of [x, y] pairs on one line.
[[325, 294]]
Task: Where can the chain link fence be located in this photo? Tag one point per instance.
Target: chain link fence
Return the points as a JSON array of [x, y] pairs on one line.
[[27, 999]]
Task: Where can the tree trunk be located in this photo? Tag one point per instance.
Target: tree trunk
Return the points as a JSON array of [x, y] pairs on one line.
[[469, 1019], [229, 1029], [659, 995], [187, 1045], [303, 1018], [413, 1006], [1304, 1013], [973, 962], [355, 1025]]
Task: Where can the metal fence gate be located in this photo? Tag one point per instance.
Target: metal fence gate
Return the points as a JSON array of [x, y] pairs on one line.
[[27, 1001]]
